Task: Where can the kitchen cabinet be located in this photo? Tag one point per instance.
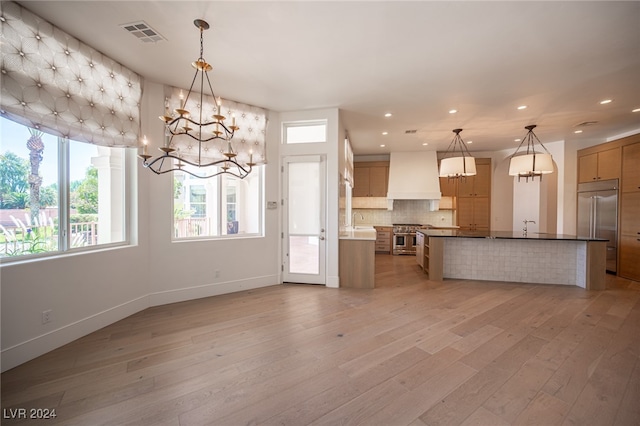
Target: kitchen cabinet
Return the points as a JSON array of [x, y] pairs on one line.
[[356, 263], [473, 201], [599, 165], [631, 168], [448, 187], [629, 245], [384, 239], [370, 179], [434, 258]]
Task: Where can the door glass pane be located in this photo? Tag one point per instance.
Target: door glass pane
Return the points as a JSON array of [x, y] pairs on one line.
[[304, 254], [304, 198]]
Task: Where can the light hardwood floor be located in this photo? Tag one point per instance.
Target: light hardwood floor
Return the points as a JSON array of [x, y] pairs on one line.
[[410, 352]]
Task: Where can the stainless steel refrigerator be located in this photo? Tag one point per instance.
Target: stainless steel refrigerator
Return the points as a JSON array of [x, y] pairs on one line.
[[598, 215]]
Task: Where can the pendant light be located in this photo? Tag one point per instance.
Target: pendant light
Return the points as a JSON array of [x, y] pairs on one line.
[[530, 163], [460, 166]]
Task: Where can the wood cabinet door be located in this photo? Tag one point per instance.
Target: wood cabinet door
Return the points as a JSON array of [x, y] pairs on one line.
[[448, 187], [465, 212], [481, 215], [482, 181], [630, 214], [360, 182], [609, 164], [587, 168], [465, 186], [628, 265], [378, 181], [631, 168]]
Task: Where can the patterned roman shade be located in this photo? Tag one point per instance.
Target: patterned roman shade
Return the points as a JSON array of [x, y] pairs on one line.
[[55, 83], [251, 137]]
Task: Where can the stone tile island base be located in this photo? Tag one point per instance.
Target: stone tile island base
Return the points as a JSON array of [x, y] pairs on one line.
[[545, 261]]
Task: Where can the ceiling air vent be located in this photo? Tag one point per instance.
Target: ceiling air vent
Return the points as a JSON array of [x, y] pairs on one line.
[[409, 132], [586, 123], [143, 32]]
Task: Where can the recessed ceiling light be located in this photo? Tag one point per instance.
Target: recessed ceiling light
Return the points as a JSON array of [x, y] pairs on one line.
[[636, 110], [453, 111], [385, 133], [425, 144], [522, 107], [382, 146], [578, 131], [605, 101], [388, 114], [469, 141]]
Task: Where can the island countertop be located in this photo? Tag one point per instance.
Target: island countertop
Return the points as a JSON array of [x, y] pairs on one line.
[[505, 235], [358, 233]]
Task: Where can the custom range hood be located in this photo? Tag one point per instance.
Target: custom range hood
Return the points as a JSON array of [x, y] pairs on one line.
[[414, 176]]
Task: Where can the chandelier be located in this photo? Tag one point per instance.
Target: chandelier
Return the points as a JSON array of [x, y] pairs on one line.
[[530, 163], [452, 166], [211, 133]]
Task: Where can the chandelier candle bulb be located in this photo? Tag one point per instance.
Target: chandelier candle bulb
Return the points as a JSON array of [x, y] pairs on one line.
[[145, 143], [233, 120]]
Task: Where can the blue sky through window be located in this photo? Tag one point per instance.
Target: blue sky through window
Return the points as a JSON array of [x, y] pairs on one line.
[[15, 137]]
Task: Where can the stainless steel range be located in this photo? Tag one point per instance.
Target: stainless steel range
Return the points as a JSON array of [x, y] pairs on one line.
[[404, 237]]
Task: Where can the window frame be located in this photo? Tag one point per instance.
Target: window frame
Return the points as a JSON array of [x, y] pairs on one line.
[[64, 207], [221, 212], [305, 123]]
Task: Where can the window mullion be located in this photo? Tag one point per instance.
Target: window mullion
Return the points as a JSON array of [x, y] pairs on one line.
[[63, 191]]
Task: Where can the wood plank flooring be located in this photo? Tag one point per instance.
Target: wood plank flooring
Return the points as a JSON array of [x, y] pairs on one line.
[[409, 352]]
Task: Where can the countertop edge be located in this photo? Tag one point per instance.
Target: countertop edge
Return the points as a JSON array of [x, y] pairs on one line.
[[504, 235]]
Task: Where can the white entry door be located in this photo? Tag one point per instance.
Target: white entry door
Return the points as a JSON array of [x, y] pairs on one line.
[[304, 219]]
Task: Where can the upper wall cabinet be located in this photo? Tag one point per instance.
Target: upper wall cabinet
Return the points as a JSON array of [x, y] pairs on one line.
[[370, 179], [599, 165]]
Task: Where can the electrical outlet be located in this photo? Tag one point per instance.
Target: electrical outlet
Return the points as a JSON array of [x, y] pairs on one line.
[[46, 316]]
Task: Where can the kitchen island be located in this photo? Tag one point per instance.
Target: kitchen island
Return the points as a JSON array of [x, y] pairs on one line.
[[357, 257], [515, 257]]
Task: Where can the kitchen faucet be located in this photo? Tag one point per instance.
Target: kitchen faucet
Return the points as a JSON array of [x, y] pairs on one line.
[[353, 220], [524, 230]]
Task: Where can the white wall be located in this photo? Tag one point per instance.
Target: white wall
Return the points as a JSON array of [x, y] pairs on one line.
[[85, 292], [91, 290], [187, 270]]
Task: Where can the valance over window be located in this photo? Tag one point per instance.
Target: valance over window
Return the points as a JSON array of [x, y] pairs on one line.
[[250, 138], [54, 82]]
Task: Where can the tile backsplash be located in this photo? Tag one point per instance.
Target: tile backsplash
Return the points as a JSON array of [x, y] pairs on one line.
[[405, 211]]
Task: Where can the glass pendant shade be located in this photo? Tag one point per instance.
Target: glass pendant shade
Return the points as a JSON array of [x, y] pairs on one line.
[[457, 166]]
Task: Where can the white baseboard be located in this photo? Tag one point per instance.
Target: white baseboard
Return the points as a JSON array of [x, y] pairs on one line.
[[333, 282], [208, 290], [33, 348]]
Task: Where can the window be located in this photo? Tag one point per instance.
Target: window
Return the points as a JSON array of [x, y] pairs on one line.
[[305, 132], [222, 206], [33, 219]]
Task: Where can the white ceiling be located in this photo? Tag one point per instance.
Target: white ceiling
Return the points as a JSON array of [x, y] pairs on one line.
[[416, 60]]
